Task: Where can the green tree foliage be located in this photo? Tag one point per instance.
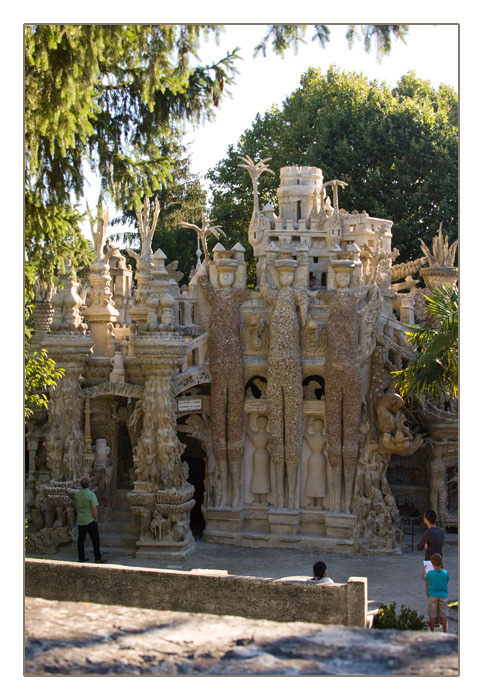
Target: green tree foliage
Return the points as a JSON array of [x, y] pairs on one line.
[[433, 373], [110, 98], [284, 36], [40, 373], [397, 149]]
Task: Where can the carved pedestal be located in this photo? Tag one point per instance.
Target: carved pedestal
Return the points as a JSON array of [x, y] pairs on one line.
[[222, 523], [164, 516], [283, 523], [340, 526], [256, 519], [313, 523]]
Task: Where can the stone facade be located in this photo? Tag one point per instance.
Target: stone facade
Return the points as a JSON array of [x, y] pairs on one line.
[[270, 413]]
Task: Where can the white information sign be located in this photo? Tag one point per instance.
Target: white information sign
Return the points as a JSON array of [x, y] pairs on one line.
[[189, 405]]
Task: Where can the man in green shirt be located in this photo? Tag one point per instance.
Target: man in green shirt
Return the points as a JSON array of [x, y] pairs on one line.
[[87, 514]]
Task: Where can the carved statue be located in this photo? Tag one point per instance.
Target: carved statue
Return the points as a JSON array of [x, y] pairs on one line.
[[145, 522], [227, 375], [258, 433], [316, 484], [160, 527], [118, 373], [73, 454], [396, 437], [284, 390], [255, 334], [343, 385]]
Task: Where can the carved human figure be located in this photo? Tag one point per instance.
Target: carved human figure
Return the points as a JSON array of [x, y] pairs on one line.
[[146, 518], [396, 437], [316, 484], [284, 378], [343, 385], [227, 375], [257, 431], [73, 454]]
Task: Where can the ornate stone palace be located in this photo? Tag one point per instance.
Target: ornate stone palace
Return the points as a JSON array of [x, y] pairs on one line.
[[261, 418]]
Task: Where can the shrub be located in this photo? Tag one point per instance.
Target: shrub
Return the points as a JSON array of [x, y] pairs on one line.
[[407, 619]]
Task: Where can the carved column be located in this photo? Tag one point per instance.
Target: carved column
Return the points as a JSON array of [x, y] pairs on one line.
[[407, 310], [161, 496], [68, 344]]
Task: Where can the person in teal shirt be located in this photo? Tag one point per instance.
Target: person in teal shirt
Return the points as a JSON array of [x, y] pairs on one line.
[[86, 504], [437, 579]]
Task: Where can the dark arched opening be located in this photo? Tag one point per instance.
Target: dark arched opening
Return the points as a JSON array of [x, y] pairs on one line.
[[256, 387], [195, 457], [314, 387], [124, 458]]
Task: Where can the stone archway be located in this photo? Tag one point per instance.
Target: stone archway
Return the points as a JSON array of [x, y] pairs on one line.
[[195, 457], [108, 409]]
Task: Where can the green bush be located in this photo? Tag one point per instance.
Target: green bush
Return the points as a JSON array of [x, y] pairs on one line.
[[407, 619]]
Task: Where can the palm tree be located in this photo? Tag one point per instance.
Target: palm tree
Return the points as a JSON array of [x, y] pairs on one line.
[[433, 373]]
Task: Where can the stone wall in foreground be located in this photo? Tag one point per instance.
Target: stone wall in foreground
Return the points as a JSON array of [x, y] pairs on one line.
[[200, 592]]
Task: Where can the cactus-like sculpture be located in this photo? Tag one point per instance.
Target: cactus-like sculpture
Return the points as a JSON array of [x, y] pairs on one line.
[[335, 184], [255, 170], [443, 254], [441, 270], [204, 231], [102, 248], [146, 232]]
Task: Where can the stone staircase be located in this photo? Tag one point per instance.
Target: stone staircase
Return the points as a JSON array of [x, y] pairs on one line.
[[119, 534]]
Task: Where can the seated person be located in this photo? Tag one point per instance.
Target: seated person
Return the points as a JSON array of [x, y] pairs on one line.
[[320, 573]]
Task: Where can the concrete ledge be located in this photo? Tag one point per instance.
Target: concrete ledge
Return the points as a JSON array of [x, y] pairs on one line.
[[207, 592]]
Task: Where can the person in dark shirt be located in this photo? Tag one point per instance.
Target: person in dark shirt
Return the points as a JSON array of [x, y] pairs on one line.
[[433, 539], [431, 542]]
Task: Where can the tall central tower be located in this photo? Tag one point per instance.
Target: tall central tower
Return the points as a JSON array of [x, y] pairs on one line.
[[301, 187]]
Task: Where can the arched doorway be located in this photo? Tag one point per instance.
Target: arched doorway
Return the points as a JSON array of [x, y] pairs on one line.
[[195, 457]]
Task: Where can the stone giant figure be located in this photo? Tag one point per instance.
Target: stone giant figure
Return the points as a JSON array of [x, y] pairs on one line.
[[284, 388], [343, 385], [227, 375]]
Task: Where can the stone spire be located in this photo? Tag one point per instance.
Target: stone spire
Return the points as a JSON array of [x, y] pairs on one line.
[[100, 309]]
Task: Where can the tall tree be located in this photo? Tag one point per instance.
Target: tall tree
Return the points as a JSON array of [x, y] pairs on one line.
[[397, 149], [111, 98]]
